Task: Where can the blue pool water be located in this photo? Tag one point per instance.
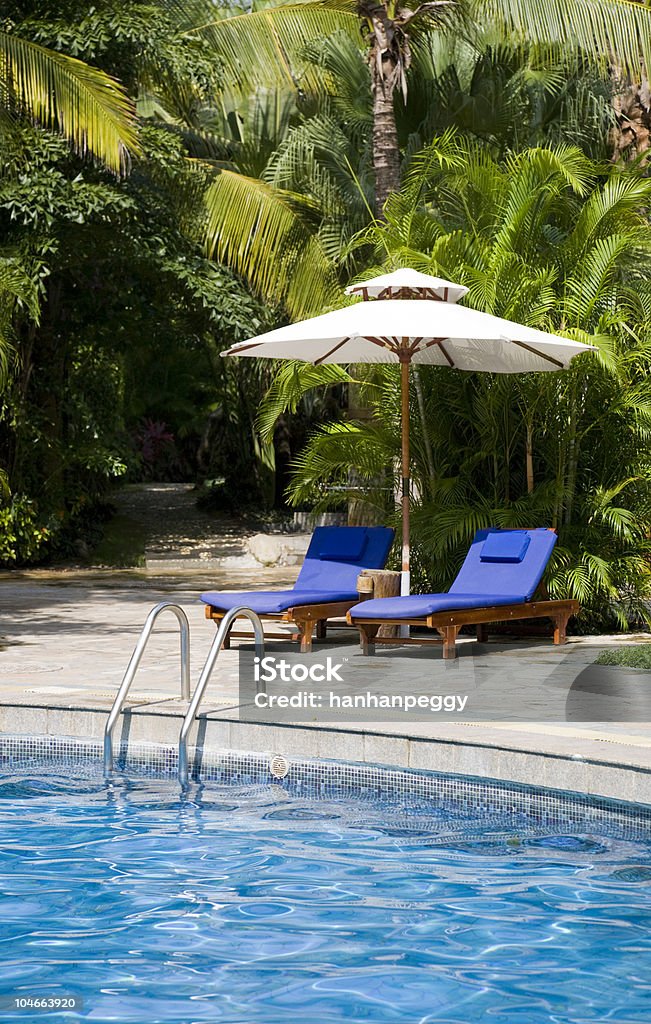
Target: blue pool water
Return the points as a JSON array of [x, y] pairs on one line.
[[250, 904]]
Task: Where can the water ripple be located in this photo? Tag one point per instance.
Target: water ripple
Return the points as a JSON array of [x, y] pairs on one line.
[[246, 906]]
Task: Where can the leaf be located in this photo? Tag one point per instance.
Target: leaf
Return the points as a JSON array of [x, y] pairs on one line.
[[263, 233], [88, 106], [612, 32], [291, 383], [266, 47]]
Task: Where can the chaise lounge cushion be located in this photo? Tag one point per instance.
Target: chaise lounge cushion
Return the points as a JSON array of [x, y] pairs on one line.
[[522, 577], [418, 606], [505, 546], [341, 545], [333, 561], [270, 602], [329, 563], [479, 583]]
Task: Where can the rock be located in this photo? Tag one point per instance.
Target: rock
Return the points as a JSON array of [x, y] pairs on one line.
[[308, 521], [81, 548], [279, 548]]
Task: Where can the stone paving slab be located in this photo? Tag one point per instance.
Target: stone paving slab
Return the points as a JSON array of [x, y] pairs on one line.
[[66, 638]]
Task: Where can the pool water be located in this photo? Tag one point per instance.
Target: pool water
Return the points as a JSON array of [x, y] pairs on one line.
[[250, 904]]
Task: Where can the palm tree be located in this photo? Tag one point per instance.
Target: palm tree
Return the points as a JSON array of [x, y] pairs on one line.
[[549, 238], [292, 177], [266, 45], [86, 105], [290, 181]]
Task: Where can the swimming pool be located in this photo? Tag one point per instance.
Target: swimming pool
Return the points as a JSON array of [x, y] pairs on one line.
[[258, 902]]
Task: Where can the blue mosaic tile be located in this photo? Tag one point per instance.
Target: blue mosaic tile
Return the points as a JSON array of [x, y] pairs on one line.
[[323, 779]]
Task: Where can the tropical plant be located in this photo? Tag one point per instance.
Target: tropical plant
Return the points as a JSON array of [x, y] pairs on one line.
[[267, 45], [510, 78], [508, 95], [112, 309], [549, 238], [85, 104]]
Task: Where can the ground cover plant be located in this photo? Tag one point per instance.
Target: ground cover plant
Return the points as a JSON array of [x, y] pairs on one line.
[[631, 656]]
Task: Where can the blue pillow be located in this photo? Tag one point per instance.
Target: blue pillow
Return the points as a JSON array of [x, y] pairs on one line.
[[343, 544], [505, 546]]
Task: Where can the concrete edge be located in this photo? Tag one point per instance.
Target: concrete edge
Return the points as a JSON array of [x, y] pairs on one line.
[[504, 762]]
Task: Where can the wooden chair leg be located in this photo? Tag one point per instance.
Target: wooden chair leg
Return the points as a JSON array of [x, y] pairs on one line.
[[226, 646], [321, 629], [449, 641], [560, 632], [367, 634], [305, 628]]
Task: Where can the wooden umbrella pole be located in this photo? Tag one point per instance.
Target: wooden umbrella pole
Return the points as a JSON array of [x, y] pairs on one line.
[[404, 385]]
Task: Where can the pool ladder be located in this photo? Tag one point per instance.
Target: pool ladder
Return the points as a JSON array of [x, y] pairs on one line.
[[206, 672]]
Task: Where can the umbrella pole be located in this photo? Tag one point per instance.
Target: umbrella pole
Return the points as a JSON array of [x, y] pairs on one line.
[[404, 386]]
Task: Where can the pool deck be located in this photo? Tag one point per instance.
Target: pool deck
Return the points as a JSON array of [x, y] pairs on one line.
[[67, 637]]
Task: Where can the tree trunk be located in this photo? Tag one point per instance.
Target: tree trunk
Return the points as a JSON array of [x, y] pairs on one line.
[[387, 73], [632, 136], [386, 156], [530, 480], [385, 64]]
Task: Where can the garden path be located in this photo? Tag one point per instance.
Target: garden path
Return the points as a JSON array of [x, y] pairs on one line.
[[176, 533]]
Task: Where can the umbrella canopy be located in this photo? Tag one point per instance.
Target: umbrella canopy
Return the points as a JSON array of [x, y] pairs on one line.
[[407, 283], [414, 330]]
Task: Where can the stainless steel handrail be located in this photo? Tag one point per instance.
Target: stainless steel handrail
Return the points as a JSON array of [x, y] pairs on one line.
[[206, 672], [132, 667]]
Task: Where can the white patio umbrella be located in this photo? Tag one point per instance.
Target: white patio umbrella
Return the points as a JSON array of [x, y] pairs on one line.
[[431, 331]]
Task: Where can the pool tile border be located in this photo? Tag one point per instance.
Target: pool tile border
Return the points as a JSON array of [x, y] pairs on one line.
[[325, 779]]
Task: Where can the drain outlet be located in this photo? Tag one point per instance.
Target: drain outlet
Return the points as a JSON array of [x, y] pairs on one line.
[[279, 766]]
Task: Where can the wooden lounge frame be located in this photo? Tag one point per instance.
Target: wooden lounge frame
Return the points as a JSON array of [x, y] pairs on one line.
[[449, 623], [308, 618]]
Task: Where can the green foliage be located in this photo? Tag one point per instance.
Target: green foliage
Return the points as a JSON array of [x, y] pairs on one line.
[[86, 105], [109, 310], [551, 239], [506, 94], [115, 302], [298, 165], [142, 44], [23, 537], [265, 46], [262, 232], [631, 656]]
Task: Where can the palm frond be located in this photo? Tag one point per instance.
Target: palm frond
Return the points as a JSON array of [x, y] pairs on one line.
[[611, 32], [291, 383], [322, 470], [267, 47], [264, 235], [88, 106]]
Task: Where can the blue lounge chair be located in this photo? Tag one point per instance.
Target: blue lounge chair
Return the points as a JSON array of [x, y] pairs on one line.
[[496, 583], [326, 586]]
